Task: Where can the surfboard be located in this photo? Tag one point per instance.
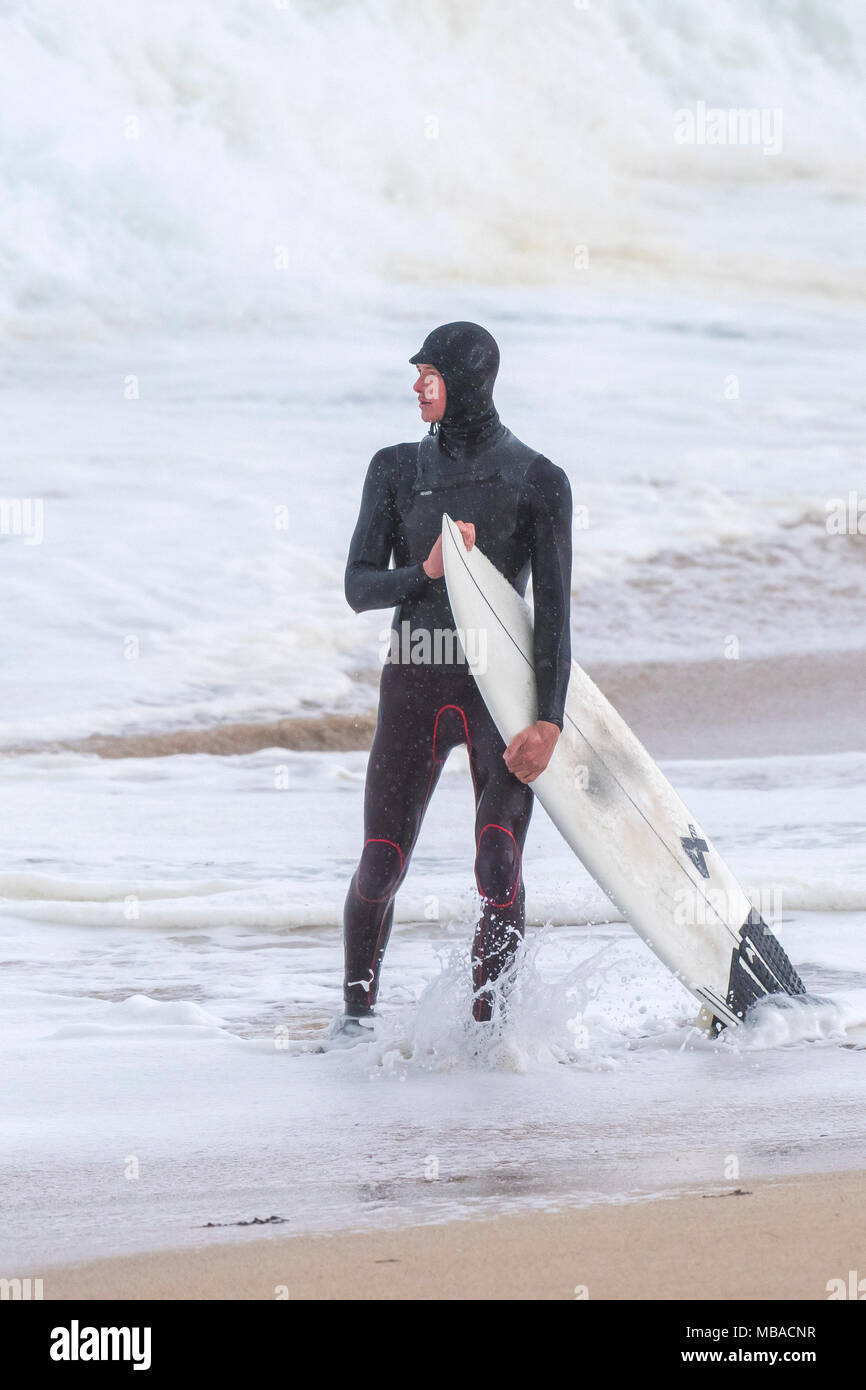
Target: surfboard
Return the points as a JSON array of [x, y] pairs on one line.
[[616, 809]]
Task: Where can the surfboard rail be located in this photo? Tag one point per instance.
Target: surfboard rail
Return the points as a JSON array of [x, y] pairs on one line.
[[615, 808]]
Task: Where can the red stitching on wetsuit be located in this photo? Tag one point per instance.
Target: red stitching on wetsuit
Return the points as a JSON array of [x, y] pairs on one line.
[[506, 831], [387, 900], [378, 840], [436, 726]]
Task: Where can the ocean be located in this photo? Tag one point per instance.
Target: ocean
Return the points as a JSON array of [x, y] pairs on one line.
[[223, 236]]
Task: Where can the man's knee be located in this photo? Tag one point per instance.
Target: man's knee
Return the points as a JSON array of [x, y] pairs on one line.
[[497, 865], [380, 870]]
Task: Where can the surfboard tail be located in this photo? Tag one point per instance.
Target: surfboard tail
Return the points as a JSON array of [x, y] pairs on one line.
[[759, 966]]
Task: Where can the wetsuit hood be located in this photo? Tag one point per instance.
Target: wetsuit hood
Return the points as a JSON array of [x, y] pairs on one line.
[[467, 357]]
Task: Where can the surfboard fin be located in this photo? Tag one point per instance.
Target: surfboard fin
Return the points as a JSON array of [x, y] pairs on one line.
[[706, 1020]]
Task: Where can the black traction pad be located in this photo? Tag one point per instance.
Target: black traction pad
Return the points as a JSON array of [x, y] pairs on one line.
[[759, 966]]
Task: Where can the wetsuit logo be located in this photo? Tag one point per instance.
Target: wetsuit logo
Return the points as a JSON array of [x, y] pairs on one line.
[[438, 646]]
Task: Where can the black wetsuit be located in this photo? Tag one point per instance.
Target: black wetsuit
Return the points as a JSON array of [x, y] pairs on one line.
[[520, 503]]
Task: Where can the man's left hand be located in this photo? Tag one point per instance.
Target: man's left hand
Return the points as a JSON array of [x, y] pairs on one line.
[[529, 752]]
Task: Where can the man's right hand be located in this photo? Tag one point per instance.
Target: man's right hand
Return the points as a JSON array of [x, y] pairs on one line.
[[433, 566]]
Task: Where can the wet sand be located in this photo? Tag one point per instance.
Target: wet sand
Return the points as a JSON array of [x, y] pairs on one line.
[[768, 1240], [703, 709], [743, 709]]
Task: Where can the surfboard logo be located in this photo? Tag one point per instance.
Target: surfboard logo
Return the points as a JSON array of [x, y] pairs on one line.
[[696, 848]]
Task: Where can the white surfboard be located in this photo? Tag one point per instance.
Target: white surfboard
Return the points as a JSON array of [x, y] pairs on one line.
[[616, 809]]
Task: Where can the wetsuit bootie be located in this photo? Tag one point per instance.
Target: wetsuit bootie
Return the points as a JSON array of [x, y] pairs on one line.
[[348, 1030]]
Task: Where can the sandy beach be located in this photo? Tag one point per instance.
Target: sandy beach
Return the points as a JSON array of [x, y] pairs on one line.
[[768, 1240], [742, 708], [248, 221]]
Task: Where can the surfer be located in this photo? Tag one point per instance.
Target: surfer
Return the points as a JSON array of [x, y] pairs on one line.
[[518, 506]]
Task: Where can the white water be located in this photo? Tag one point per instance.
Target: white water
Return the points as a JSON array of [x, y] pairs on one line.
[[170, 956], [191, 567], [183, 144], [195, 422]]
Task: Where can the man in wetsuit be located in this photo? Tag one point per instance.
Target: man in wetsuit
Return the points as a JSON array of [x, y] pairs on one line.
[[518, 506]]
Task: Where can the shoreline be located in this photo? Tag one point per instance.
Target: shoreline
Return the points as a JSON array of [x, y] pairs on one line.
[[769, 1239], [751, 707]]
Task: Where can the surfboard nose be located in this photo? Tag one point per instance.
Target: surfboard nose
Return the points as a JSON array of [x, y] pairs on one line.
[[449, 530]]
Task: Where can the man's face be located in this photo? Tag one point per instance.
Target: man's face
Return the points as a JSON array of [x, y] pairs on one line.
[[431, 393]]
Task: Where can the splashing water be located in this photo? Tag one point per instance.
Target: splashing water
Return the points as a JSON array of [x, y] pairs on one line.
[[782, 1021], [589, 1018], [612, 1004]]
